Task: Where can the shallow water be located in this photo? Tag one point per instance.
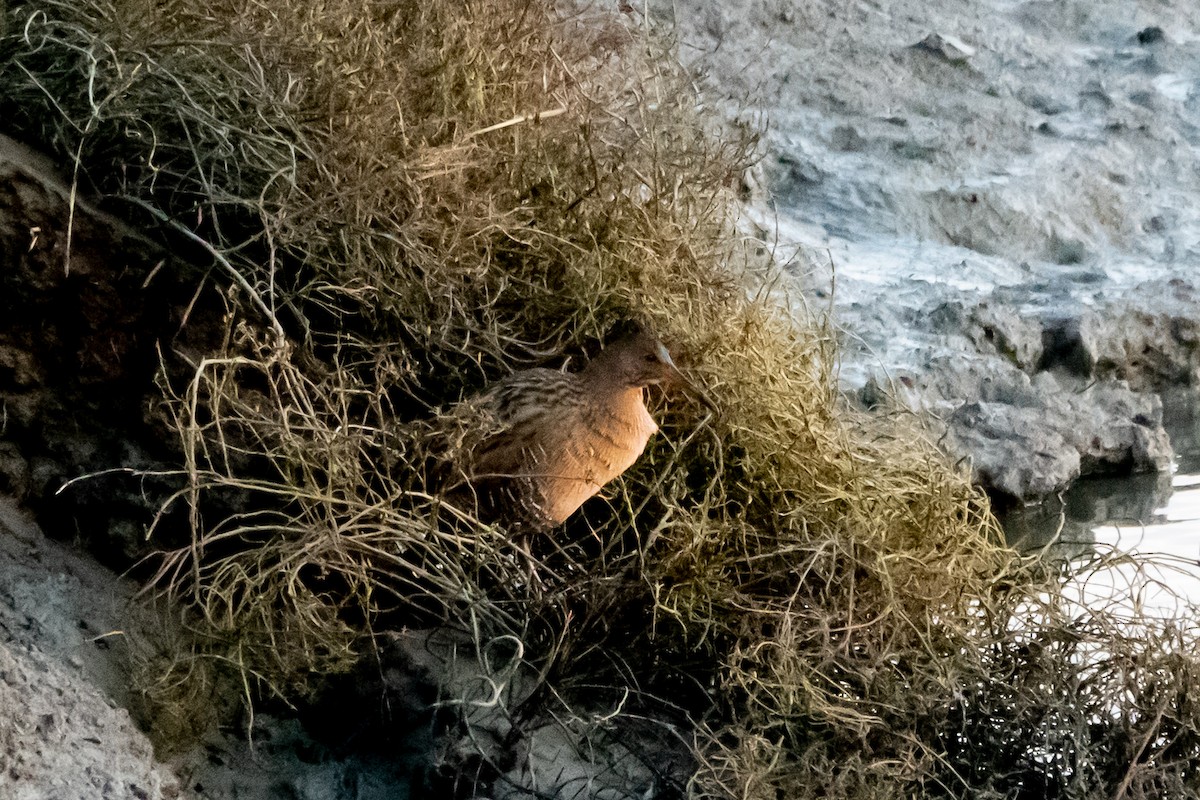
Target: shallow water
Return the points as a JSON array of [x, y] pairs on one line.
[[1156, 515]]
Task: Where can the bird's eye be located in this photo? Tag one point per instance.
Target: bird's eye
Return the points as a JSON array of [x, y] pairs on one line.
[[651, 358]]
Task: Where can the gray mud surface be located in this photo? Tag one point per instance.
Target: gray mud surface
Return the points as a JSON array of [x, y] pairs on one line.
[[1000, 188]]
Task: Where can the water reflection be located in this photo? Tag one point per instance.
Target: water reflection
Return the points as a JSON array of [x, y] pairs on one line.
[[1152, 515], [1066, 527]]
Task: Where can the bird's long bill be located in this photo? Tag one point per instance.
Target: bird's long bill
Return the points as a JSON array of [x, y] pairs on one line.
[[681, 379], [700, 395]]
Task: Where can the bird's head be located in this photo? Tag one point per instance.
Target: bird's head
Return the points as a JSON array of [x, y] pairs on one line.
[[638, 359]]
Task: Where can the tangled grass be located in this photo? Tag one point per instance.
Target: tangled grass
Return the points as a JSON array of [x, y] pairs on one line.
[[403, 201]]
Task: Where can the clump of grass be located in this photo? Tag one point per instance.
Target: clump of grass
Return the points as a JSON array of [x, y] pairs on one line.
[[404, 202]]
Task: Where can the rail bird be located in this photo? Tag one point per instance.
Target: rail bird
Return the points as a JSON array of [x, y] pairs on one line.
[[564, 435]]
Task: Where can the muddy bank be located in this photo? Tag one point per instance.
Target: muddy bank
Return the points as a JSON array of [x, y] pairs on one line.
[[74, 640], [67, 626], [1001, 192], [92, 311], [85, 338]]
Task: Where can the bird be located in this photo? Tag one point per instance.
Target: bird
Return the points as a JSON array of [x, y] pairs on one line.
[[564, 435]]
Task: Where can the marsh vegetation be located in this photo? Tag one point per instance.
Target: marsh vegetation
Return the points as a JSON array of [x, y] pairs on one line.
[[395, 203]]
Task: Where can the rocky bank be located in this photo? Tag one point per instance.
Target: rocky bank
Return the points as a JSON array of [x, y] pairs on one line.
[[994, 202]]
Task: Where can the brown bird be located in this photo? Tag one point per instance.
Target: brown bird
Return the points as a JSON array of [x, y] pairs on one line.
[[565, 435]]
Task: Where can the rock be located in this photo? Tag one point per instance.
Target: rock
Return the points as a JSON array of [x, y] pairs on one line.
[[1078, 389], [61, 733], [1150, 340], [1010, 451], [1028, 452], [950, 48], [1035, 396], [1069, 344], [62, 738], [993, 327], [947, 382], [1151, 350], [1125, 435], [1027, 438], [1151, 35]]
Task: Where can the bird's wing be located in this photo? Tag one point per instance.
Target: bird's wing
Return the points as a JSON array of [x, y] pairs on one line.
[[528, 393]]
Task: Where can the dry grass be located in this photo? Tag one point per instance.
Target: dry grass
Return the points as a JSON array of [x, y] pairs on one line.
[[404, 201]]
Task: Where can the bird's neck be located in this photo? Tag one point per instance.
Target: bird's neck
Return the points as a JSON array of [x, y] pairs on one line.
[[601, 381], [621, 413]]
